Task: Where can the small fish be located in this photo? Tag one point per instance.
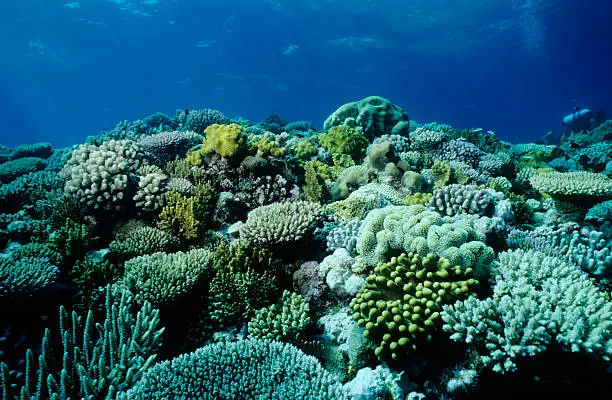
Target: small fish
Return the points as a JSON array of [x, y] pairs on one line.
[[476, 130]]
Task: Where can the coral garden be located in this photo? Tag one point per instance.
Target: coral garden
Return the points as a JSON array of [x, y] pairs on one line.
[[199, 256]]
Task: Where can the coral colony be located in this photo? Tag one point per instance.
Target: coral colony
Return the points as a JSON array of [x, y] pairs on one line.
[[205, 257]]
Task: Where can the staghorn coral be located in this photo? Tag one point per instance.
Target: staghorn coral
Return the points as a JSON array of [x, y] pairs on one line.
[[97, 359], [537, 300]]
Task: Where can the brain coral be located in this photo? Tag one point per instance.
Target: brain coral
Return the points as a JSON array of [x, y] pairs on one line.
[[375, 115]]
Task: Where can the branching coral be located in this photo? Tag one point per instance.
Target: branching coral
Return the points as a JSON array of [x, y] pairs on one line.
[[26, 275], [284, 321], [280, 222], [263, 369], [94, 360], [179, 216], [142, 240], [537, 300], [162, 278], [99, 177], [573, 191]]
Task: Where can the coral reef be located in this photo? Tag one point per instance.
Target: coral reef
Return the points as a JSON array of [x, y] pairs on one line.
[[375, 258]]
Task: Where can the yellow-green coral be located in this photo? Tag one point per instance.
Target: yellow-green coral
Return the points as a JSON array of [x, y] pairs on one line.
[[417, 198], [179, 216], [195, 158], [314, 186], [303, 149], [401, 303], [441, 172], [444, 174], [343, 139], [266, 146], [224, 140]]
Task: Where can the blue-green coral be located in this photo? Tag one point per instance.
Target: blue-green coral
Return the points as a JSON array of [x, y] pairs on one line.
[[253, 368], [537, 300], [98, 360]]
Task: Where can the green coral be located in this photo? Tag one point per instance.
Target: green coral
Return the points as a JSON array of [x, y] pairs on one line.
[[37, 250], [344, 140], [441, 172], [90, 277], [179, 216], [142, 240], [417, 199], [162, 278], [303, 149], [72, 241], [235, 295], [241, 256], [314, 186], [444, 175], [401, 303], [284, 321]]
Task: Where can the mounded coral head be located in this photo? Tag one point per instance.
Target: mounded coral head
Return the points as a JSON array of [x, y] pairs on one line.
[[224, 140], [375, 115]]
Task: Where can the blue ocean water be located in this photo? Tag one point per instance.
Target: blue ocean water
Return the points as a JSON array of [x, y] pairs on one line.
[[72, 68]]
